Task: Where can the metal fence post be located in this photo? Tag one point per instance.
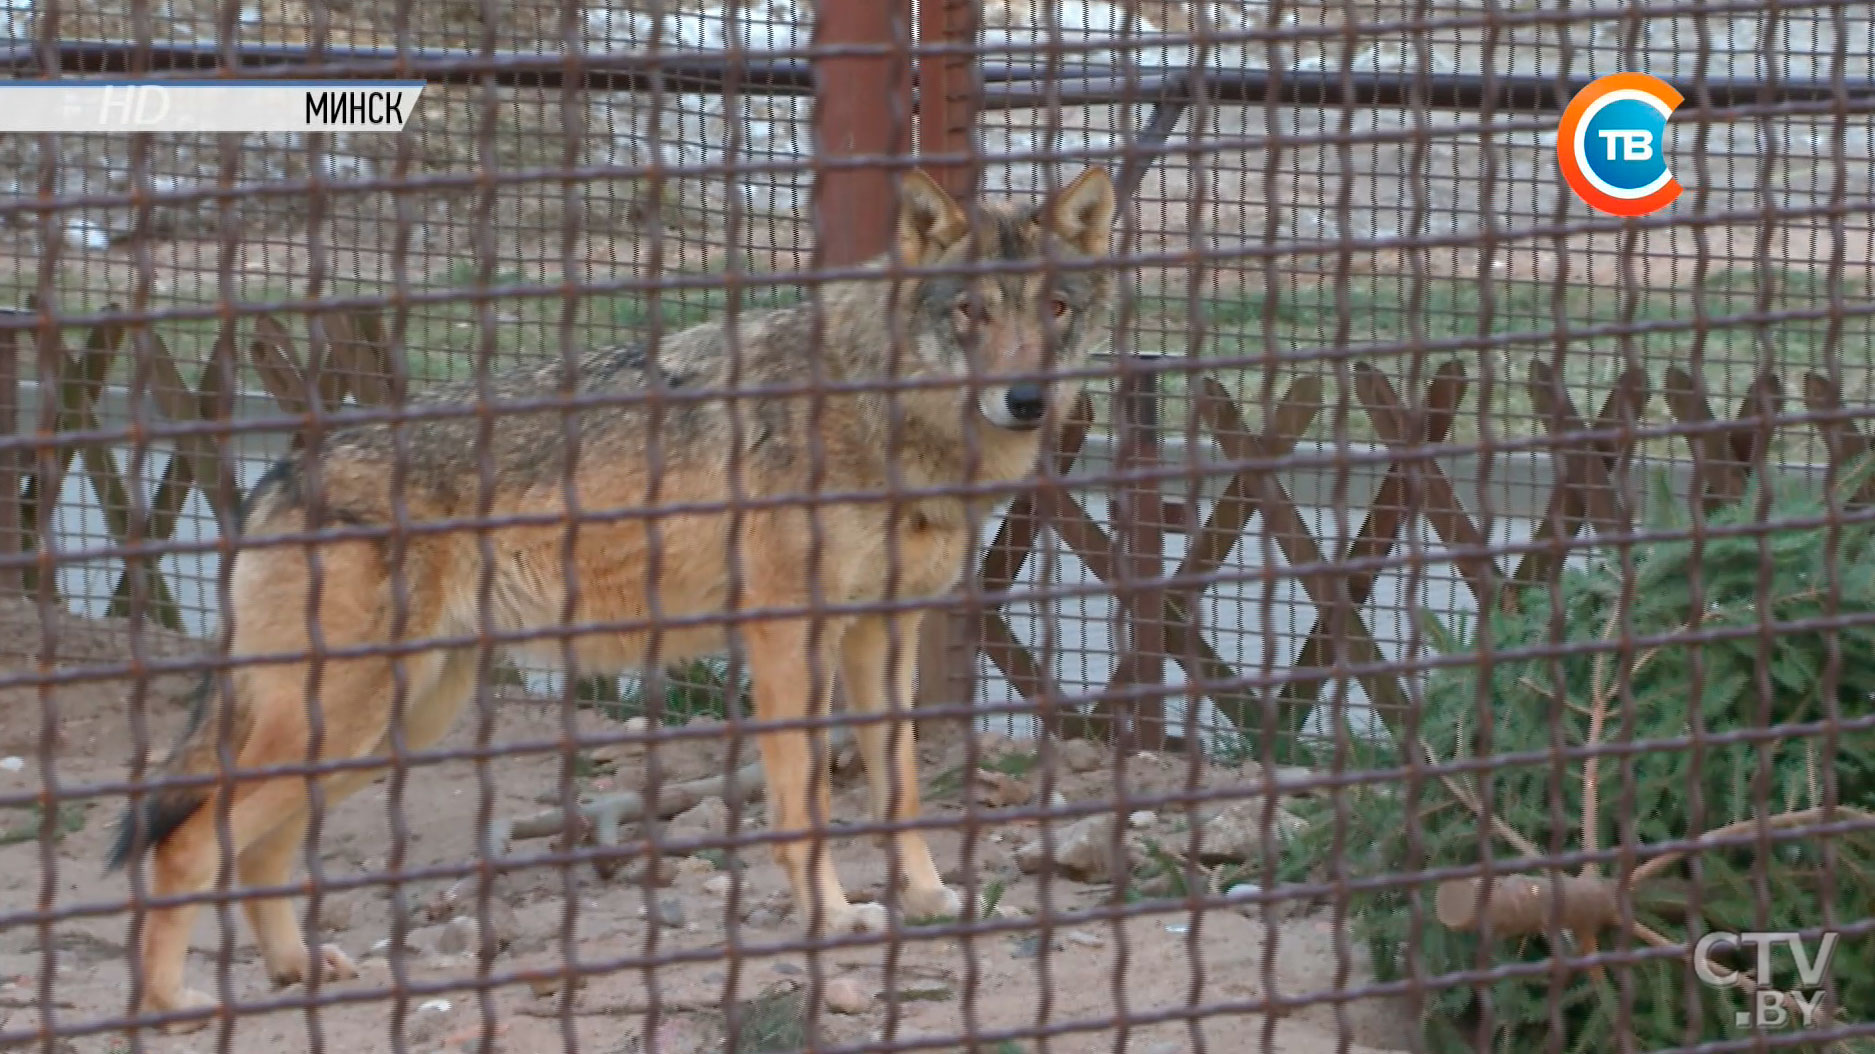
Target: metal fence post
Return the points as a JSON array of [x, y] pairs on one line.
[[947, 112], [854, 116], [11, 541], [948, 95], [862, 107]]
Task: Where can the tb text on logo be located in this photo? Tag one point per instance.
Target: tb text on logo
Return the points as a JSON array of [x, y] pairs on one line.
[[1771, 1007], [1611, 144]]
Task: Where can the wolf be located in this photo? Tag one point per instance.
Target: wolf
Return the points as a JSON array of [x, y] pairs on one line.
[[571, 535]]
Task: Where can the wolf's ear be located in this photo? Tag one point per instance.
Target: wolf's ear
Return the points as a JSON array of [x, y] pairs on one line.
[[1082, 213], [929, 219]]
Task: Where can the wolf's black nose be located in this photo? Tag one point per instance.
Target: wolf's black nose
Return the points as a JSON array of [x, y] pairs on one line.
[[1026, 402]]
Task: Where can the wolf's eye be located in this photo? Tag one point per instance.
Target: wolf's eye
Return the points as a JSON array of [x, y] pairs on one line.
[[969, 312], [1058, 307]]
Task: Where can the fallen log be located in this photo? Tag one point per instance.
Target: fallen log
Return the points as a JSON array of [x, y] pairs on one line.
[[1526, 904]]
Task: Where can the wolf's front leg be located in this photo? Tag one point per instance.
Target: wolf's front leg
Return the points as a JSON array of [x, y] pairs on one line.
[[798, 803], [890, 754]]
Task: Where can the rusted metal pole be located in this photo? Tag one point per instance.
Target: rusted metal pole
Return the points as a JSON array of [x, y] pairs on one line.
[[948, 96], [11, 540], [862, 107]]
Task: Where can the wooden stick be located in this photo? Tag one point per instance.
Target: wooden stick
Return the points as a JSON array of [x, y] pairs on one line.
[[1504, 830], [606, 815], [1660, 863]]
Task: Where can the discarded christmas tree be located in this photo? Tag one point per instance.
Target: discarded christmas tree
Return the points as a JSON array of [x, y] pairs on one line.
[[1697, 685]]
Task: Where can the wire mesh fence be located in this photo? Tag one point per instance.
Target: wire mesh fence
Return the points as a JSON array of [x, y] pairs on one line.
[[1361, 597]]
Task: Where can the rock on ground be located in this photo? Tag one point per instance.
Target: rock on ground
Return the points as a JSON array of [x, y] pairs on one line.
[[845, 996], [1238, 832], [1083, 850]]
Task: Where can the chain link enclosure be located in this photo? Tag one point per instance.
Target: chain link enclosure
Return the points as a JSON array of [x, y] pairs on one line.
[[1445, 607]]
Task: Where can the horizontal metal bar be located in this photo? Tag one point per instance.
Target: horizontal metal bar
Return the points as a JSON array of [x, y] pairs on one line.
[[1006, 85]]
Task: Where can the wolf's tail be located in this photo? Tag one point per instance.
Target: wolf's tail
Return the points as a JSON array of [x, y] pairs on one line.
[[147, 823]]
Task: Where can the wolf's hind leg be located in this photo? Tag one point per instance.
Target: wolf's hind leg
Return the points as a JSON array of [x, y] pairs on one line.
[[266, 815], [185, 864], [267, 864]]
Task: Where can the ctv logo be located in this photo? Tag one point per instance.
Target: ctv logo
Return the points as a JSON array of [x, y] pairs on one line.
[[1612, 144], [1770, 1008]]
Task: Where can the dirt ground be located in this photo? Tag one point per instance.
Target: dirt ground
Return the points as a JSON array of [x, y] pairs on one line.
[[1072, 984]]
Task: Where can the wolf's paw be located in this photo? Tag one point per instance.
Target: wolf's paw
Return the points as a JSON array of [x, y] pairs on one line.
[[186, 999], [932, 902], [859, 918], [334, 965]]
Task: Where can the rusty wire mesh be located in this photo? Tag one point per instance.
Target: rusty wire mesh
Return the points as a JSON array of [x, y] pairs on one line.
[[1240, 727]]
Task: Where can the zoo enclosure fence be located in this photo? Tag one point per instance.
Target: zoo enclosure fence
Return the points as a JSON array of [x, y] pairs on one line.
[[1215, 444]]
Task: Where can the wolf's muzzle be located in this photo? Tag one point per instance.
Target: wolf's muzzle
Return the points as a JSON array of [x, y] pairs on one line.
[[1019, 407], [1027, 404]]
